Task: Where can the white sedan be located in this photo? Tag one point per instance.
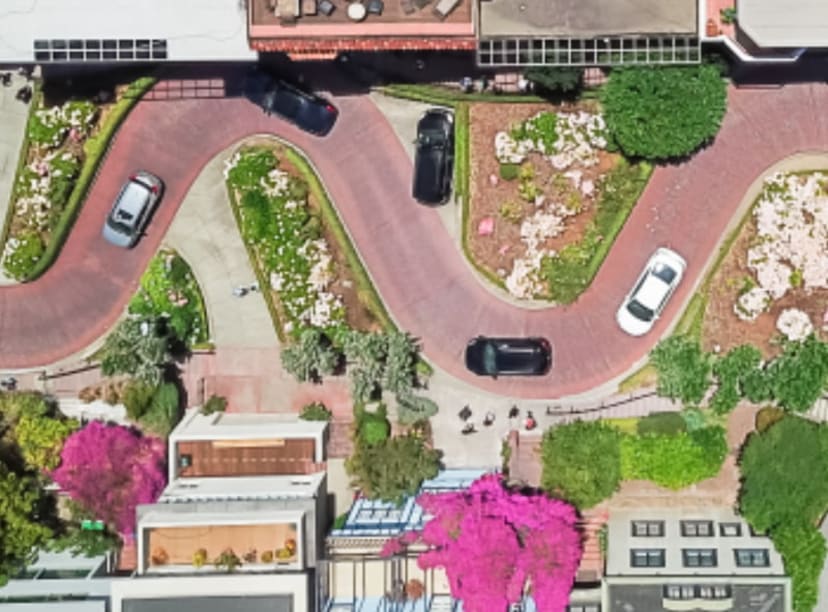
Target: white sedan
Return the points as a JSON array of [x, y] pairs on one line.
[[644, 304]]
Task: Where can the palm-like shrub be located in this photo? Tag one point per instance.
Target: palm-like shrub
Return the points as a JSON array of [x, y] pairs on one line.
[[138, 348], [311, 357]]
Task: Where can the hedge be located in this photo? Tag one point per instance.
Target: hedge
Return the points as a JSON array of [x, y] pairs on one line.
[[95, 149]]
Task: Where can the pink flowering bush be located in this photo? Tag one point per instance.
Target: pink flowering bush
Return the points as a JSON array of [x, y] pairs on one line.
[[492, 542], [109, 470]]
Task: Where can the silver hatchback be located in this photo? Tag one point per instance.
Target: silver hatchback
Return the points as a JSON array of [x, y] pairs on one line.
[[132, 209]]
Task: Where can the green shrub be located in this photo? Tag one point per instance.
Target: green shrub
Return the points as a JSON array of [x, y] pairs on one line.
[[374, 428], [555, 78], [23, 259], [693, 419], [797, 377], [783, 475], [674, 461], [400, 359], [315, 411], [667, 423], [394, 469], [137, 398], [340, 521], [740, 364], [509, 172], [164, 411], [311, 357], [664, 112], [136, 348], [581, 462], [683, 369], [414, 408], [768, 416], [542, 128], [756, 386], [803, 549], [215, 403]]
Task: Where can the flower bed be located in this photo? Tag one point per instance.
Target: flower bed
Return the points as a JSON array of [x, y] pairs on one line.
[[169, 290], [285, 231], [537, 191], [56, 136], [775, 279]]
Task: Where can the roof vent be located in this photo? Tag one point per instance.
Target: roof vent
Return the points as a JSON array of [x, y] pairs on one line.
[[185, 461]]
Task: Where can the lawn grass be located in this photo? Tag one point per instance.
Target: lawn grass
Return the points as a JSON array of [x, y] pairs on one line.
[[94, 149], [647, 376], [366, 291], [444, 96], [627, 425]]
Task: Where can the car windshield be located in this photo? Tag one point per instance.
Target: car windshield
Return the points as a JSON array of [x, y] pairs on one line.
[[490, 358], [431, 139], [639, 311], [664, 272]]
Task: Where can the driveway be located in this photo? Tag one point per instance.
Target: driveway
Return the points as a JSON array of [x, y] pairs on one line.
[[427, 287]]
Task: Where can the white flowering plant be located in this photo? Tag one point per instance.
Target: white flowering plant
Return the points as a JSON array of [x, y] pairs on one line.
[[791, 246], [794, 324], [287, 238]]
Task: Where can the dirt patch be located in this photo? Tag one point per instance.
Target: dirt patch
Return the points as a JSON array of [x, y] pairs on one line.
[[501, 200], [722, 328]]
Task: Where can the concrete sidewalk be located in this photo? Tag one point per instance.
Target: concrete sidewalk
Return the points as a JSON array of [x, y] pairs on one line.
[[14, 115]]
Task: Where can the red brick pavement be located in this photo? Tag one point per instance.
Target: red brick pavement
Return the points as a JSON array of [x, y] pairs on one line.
[[407, 250]]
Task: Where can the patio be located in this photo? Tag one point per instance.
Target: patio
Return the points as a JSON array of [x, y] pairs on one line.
[[292, 19]]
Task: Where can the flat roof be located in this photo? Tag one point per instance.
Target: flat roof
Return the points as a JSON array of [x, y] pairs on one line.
[[794, 23], [746, 598], [194, 29], [586, 18], [246, 487], [246, 603]]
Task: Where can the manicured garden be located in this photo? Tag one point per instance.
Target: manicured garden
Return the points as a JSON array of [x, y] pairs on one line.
[[773, 282], [550, 187], [64, 145]]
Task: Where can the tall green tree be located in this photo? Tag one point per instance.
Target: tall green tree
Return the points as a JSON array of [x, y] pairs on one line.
[[664, 112], [683, 369], [783, 475], [23, 527]]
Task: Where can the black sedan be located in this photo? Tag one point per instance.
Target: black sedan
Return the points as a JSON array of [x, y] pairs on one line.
[[509, 356], [433, 159], [307, 111]]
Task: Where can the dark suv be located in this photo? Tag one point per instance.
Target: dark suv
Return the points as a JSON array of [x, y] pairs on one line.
[[307, 111], [434, 157], [509, 356]]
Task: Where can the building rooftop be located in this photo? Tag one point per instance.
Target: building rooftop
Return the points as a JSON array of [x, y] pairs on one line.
[[191, 29], [377, 518], [414, 18], [742, 598], [794, 23], [243, 487], [586, 18]]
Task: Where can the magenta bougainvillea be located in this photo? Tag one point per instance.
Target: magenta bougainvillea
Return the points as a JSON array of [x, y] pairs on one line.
[[494, 543], [109, 470]]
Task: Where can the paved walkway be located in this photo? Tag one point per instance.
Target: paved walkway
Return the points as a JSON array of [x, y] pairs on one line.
[[14, 115], [427, 287]]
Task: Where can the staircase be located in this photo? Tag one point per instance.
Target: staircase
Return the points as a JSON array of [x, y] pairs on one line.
[[591, 567]]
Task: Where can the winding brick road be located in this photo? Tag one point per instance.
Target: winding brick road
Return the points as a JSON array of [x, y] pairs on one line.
[[425, 284]]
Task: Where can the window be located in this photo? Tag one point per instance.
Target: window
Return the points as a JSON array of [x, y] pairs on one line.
[[752, 557], [589, 607], [697, 529], [648, 529], [732, 530], [699, 557], [647, 557]]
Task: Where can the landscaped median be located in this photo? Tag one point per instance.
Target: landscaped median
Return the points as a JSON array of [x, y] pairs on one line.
[[66, 144]]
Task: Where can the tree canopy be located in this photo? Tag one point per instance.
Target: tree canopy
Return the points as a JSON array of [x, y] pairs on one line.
[[664, 112], [493, 541], [109, 470], [780, 468], [581, 462]]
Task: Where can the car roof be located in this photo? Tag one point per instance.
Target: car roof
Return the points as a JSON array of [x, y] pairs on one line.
[[133, 199], [652, 291]]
